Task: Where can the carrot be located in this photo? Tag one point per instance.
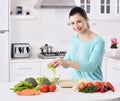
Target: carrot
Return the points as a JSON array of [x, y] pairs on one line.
[[27, 92]]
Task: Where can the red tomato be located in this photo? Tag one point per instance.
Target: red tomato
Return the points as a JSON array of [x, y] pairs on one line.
[[43, 88], [52, 88]]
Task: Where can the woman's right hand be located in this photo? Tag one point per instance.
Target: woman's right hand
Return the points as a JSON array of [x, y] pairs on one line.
[[57, 62]]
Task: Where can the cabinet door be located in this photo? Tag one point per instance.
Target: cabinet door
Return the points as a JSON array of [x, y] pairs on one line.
[[104, 69], [86, 5], [113, 71], [65, 73], [20, 71], [4, 57], [117, 8], [105, 9], [4, 14], [100, 9]]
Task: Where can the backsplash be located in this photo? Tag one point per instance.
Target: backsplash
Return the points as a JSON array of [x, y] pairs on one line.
[[50, 26]]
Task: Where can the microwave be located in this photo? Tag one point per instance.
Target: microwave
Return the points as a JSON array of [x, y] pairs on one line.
[[20, 50]]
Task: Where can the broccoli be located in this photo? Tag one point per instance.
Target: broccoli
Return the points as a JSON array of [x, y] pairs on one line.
[[43, 80], [32, 81]]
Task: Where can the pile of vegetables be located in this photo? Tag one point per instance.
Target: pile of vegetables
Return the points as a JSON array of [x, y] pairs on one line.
[[33, 86], [91, 87]]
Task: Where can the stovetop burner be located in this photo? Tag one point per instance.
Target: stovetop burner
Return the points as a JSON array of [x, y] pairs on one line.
[[52, 55]]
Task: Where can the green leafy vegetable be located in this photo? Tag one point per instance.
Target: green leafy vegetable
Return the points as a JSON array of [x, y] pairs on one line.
[[54, 80], [89, 89], [51, 68]]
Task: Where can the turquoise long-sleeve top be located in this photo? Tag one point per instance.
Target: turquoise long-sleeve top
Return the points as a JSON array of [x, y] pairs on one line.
[[89, 55]]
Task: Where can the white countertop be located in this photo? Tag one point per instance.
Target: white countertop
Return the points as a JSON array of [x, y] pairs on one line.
[[37, 58], [62, 94], [32, 58]]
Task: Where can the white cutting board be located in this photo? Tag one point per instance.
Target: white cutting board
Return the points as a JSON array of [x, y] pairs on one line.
[[67, 83]]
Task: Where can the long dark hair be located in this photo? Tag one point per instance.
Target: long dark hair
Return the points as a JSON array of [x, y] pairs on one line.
[[78, 10]]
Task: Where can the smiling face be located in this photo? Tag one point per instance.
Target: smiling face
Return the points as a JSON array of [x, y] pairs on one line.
[[79, 23]]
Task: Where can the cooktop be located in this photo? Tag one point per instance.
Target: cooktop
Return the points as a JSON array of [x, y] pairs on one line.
[[52, 55]]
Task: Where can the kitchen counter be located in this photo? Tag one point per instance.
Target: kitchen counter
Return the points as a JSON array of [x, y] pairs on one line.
[[33, 58], [62, 94], [37, 58], [108, 56]]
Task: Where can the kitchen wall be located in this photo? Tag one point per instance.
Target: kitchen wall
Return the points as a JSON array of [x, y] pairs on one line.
[[51, 26]]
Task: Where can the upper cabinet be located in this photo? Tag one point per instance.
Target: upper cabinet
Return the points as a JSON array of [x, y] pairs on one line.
[[101, 9], [96, 9], [118, 8], [87, 5]]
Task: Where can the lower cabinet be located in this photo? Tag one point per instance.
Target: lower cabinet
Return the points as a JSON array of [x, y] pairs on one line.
[[113, 71], [104, 68], [21, 70]]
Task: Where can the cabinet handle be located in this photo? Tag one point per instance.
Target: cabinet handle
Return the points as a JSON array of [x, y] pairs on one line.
[[25, 68], [116, 68]]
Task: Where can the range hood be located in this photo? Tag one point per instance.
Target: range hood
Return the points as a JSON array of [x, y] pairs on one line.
[[55, 4]]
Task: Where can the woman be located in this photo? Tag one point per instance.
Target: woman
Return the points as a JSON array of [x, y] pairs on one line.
[[85, 51]]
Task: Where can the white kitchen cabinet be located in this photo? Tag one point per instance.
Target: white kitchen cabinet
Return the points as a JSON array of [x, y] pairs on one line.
[[4, 41], [21, 70], [65, 73], [100, 9], [113, 70], [87, 5], [4, 57], [104, 68], [117, 8]]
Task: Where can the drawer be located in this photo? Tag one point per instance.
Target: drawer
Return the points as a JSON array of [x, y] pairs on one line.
[[25, 68]]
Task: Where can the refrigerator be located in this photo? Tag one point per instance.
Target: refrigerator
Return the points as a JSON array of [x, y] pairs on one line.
[[4, 41]]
